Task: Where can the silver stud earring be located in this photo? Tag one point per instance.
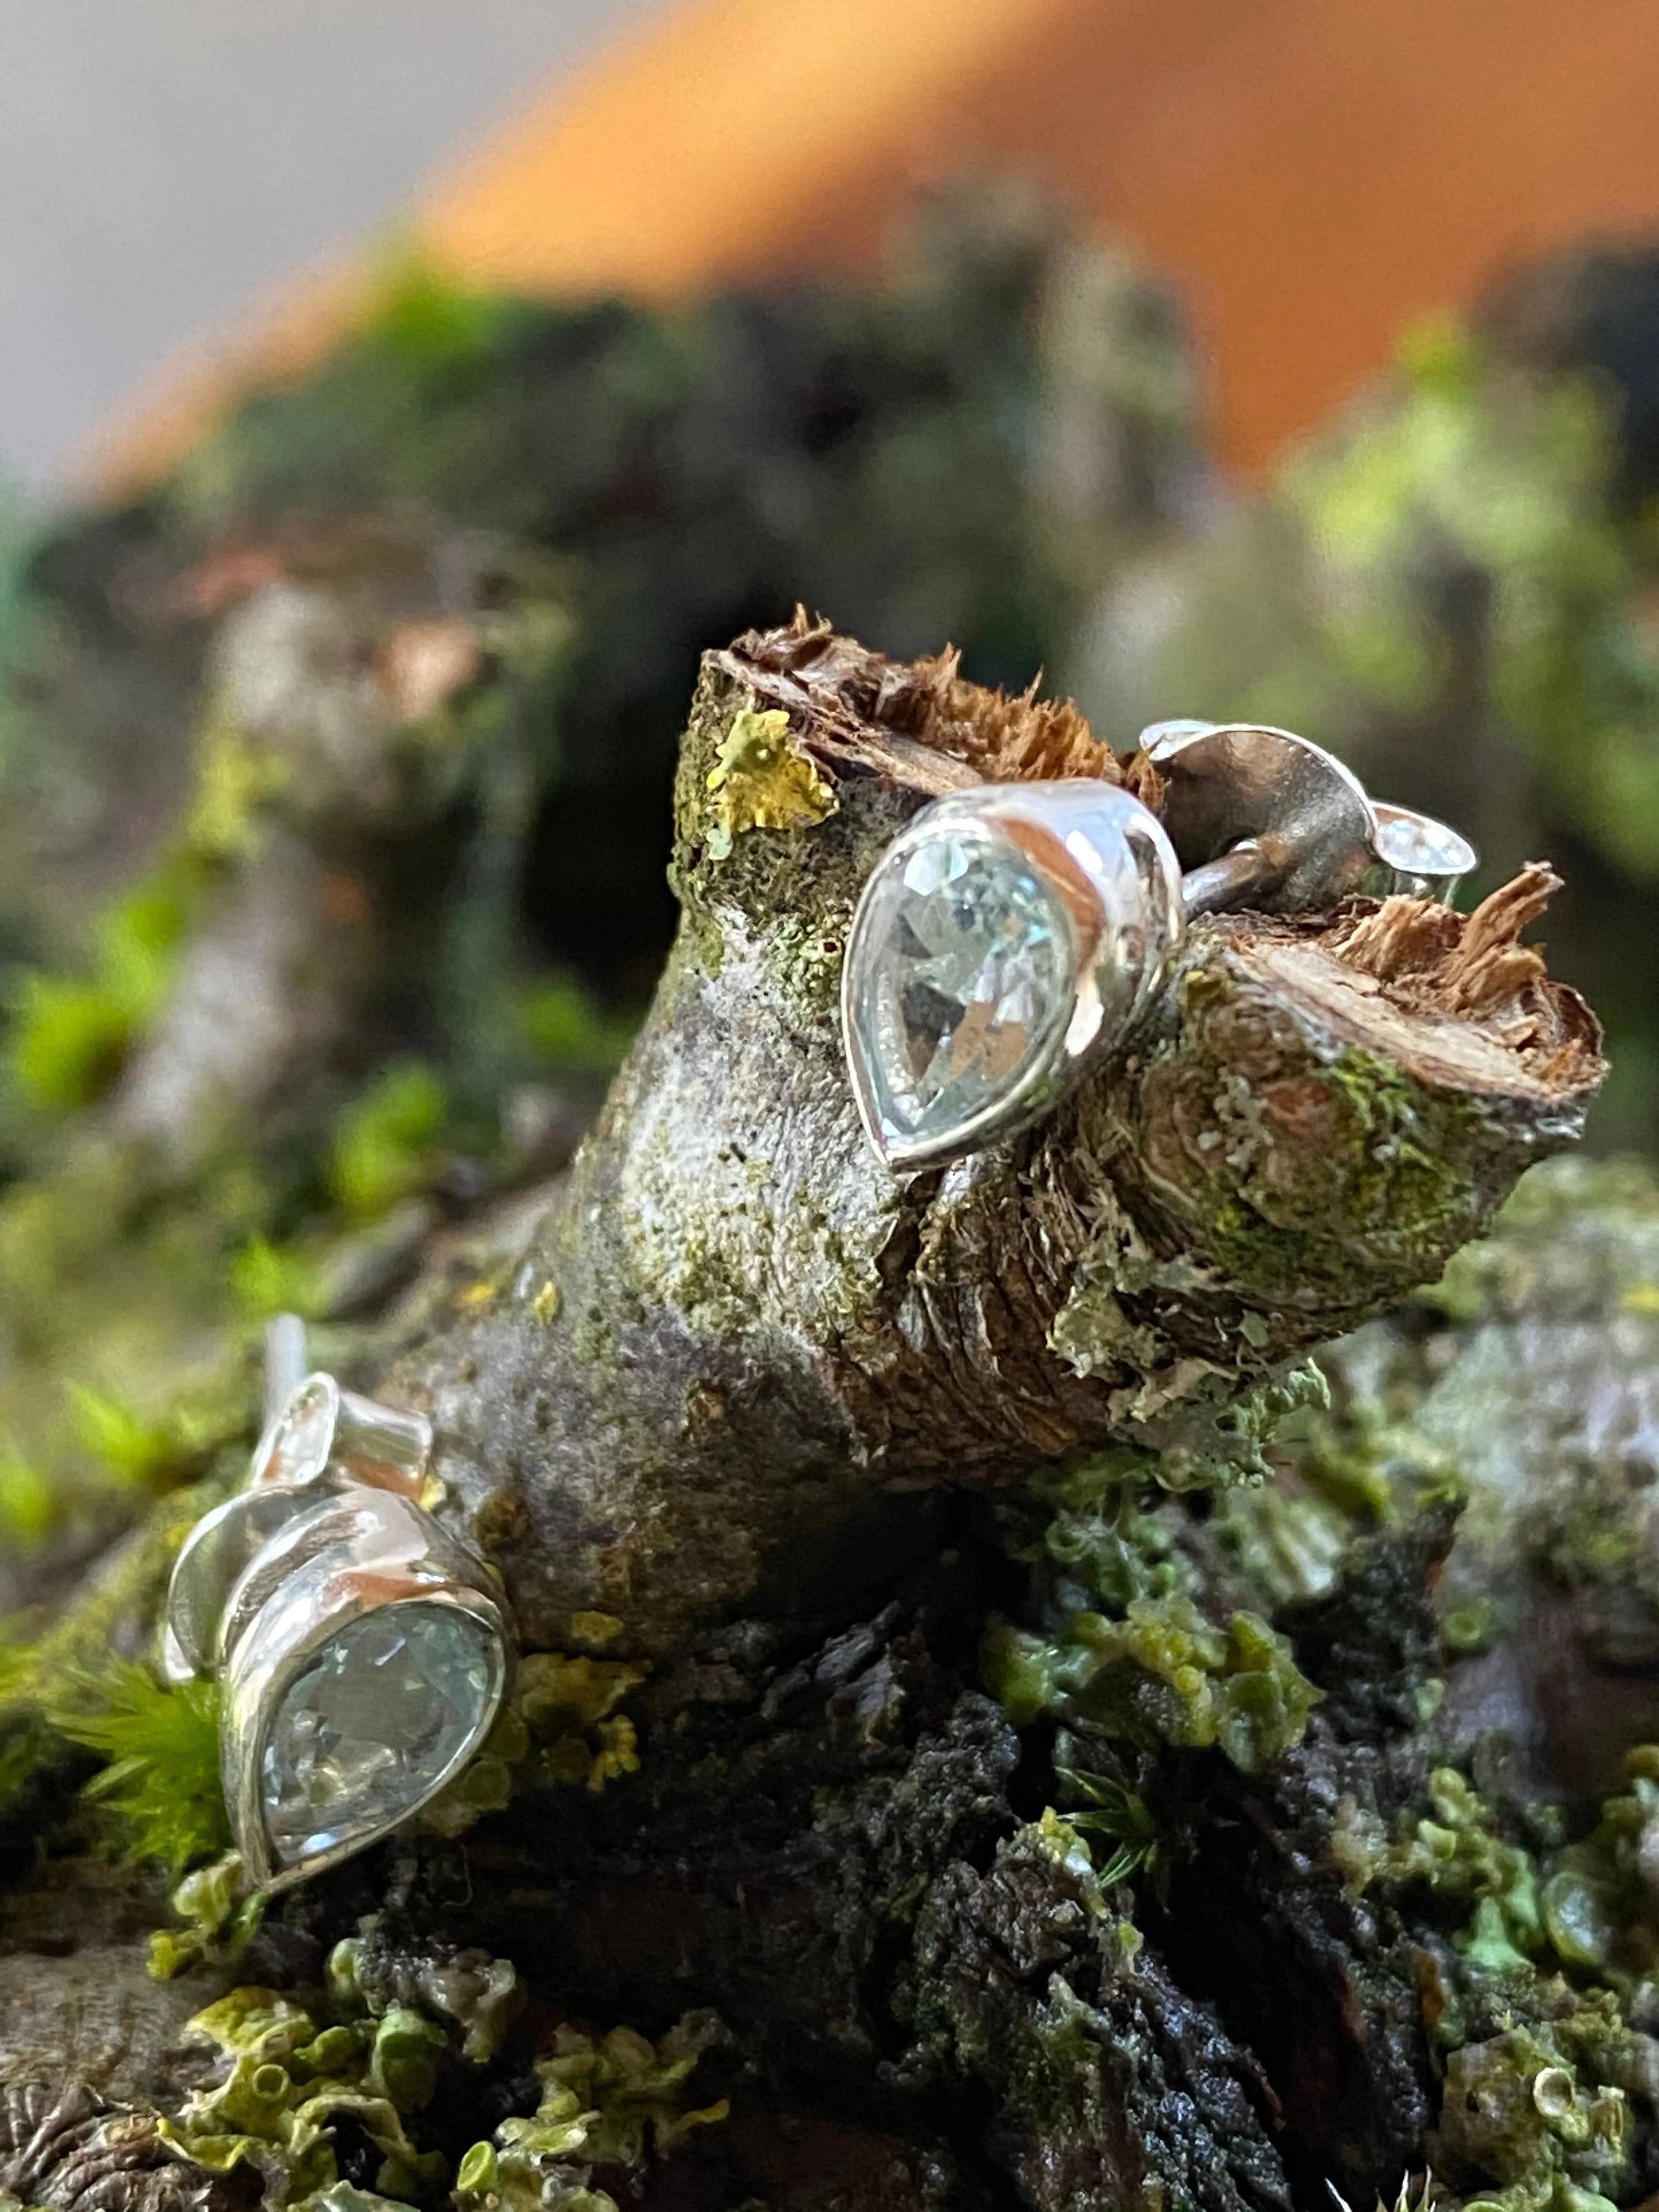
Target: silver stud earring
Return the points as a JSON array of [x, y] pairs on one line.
[[1006, 937], [364, 1652], [1012, 934]]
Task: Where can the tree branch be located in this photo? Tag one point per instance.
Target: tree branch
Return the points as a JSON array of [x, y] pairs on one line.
[[735, 1334]]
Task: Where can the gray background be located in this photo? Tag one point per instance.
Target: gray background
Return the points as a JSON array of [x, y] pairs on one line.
[[161, 162]]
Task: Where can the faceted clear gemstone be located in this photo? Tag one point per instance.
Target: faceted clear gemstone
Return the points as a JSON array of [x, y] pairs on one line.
[[381, 1712], [963, 982]]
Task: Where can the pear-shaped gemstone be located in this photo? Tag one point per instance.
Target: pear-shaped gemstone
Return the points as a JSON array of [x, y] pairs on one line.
[[382, 1713], [959, 986]]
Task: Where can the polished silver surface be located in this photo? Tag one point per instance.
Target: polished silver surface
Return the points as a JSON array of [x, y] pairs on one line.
[[1417, 857], [1261, 817], [1114, 884], [319, 1426], [211, 1561]]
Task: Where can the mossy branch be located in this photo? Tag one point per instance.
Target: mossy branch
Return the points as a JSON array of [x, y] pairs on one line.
[[736, 1339]]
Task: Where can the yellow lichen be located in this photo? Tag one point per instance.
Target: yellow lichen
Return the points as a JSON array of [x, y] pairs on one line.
[[760, 781], [618, 1753], [234, 780], [600, 1628]]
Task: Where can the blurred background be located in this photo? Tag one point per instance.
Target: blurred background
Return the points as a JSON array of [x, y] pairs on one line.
[[396, 398]]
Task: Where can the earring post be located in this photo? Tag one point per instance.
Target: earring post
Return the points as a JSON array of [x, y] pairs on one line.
[[1230, 881], [285, 1362]]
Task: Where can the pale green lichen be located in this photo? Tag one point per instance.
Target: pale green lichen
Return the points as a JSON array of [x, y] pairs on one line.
[[218, 1915], [362, 2053], [1455, 1849], [1534, 2008], [1390, 1171], [561, 1728], [1144, 1664], [1528, 2106], [1161, 1673], [1343, 1473], [1535, 1900], [477, 1996], [288, 2080], [603, 2101]]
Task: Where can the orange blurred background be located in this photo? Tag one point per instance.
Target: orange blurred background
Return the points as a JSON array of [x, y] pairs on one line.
[[1314, 174]]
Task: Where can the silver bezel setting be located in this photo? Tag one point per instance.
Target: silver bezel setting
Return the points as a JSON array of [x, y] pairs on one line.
[[347, 1559], [1120, 901]]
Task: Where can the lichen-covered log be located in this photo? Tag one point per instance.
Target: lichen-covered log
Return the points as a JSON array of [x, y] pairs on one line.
[[736, 1337], [765, 1441]]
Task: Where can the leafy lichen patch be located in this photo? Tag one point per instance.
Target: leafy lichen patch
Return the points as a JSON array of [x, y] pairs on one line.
[[761, 780]]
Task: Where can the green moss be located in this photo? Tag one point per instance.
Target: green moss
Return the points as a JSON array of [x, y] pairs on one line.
[[424, 318], [267, 1278], [385, 1146], [1115, 1821], [1508, 471], [70, 1035], [140, 1452], [566, 1026], [160, 1783], [28, 1500]]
